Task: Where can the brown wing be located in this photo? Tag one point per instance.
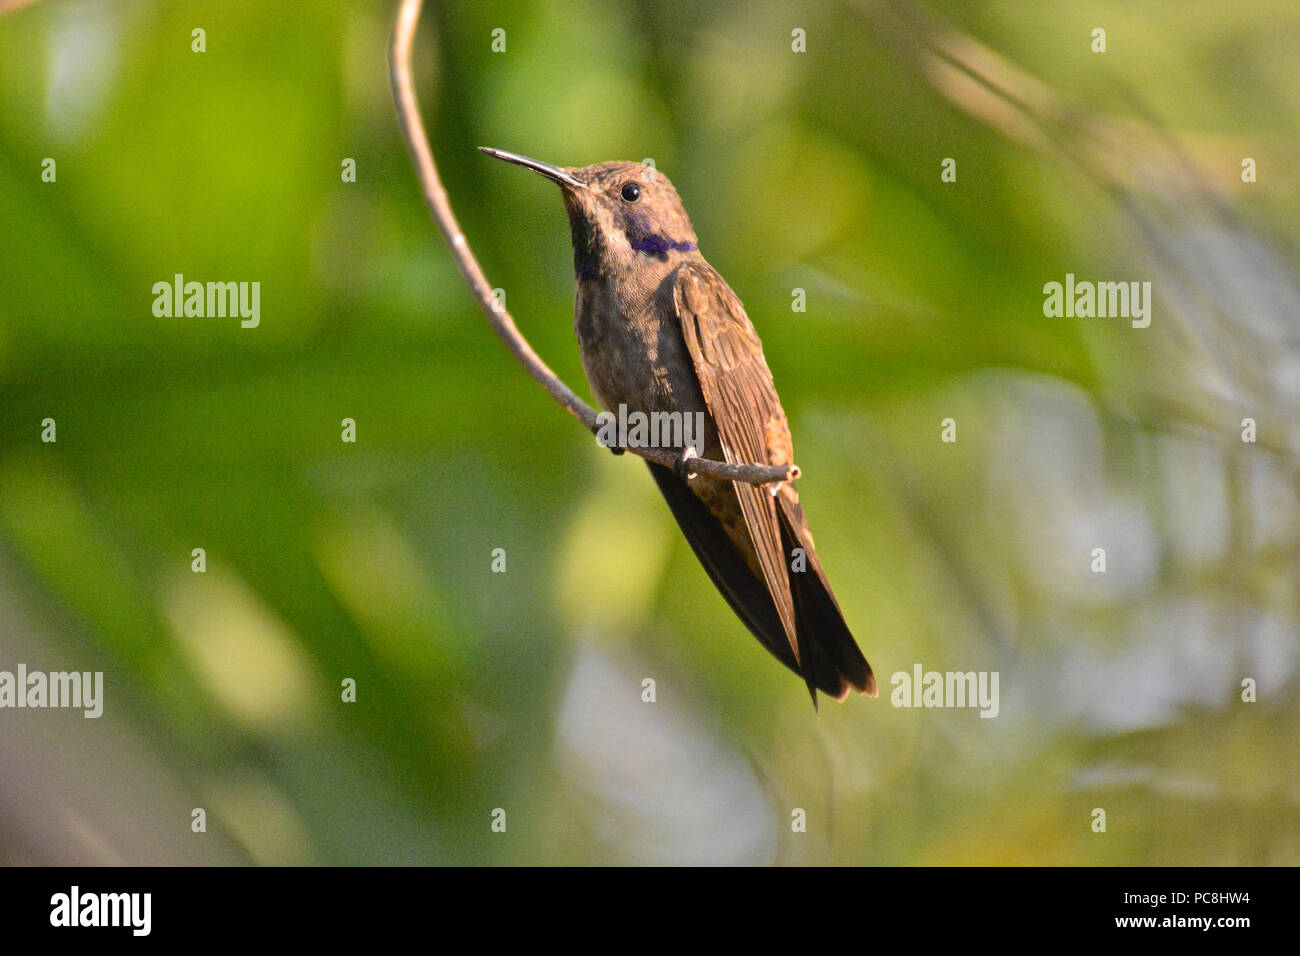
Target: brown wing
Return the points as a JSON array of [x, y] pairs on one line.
[[737, 387]]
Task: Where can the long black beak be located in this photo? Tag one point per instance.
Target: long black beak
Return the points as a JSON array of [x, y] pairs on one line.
[[546, 169]]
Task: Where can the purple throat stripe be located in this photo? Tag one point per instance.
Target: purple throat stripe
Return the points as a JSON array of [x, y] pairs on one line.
[[661, 244]]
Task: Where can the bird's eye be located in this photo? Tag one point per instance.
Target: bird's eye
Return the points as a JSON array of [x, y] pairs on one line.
[[630, 192]]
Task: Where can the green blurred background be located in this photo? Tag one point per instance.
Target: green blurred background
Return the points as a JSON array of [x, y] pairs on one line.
[[478, 690]]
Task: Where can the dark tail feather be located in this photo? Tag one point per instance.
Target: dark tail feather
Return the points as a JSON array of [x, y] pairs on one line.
[[832, 662], [831, 655], [746, 594]]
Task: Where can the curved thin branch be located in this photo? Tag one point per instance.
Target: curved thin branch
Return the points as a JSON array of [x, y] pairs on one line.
[[435, 197]]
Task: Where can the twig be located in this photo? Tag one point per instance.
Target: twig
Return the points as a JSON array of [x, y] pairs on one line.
[[435, 196]]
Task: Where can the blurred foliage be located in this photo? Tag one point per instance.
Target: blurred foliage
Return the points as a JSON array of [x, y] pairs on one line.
[[522, 690]]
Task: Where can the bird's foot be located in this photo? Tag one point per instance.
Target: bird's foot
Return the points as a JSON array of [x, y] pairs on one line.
[[683, 468]]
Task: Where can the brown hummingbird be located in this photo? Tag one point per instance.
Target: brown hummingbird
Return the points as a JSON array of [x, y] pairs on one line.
[[660, 331]]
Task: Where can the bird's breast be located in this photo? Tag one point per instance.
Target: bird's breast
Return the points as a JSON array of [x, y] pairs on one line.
[[632, 348]]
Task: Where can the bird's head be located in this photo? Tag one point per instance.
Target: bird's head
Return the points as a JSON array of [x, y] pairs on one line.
[[621, 214]]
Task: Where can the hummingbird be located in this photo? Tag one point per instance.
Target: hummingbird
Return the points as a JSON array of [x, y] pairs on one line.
[[661, 331]]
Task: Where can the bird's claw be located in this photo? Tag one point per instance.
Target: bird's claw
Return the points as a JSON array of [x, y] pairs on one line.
[[683, 468]]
